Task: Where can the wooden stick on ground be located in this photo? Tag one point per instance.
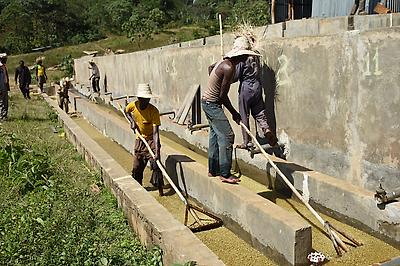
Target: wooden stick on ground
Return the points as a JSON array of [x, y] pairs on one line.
[[334, 237]]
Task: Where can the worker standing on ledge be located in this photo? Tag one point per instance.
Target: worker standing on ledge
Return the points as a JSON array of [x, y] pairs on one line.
[[221, 136]]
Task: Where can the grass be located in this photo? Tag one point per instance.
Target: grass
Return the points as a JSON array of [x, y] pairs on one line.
[[54, 56], [51, 210]]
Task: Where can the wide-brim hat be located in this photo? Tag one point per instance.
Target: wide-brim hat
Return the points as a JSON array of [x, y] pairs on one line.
[[238, 52], [67, 79], [241, 46], [143, 90], [3, 55]]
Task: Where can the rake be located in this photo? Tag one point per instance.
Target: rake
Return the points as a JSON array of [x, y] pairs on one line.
[[332, 231], [200, 223]]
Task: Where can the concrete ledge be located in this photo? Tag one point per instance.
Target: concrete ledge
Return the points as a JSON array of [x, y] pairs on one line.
[[333, 25], [370, 22], [287, 238], [301, 28], [153, 224]]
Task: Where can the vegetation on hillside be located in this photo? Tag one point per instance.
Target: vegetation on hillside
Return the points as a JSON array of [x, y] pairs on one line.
[[54, 209], [39, 23]]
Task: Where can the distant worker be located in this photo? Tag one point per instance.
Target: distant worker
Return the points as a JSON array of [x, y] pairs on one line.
[[4, 87], [95, 76], [145, 119], [360, 6], [248, 72], [63, 97], [41, 75], [23, 77], [109, 51], [221, 136]]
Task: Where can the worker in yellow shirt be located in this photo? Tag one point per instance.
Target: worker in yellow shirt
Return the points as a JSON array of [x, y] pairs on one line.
[[41, 75], [145, 119]]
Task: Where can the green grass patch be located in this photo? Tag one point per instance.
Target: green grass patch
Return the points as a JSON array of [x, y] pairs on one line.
[[50, 213]]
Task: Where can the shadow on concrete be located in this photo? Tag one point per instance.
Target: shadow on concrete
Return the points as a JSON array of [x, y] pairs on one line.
[[171, 164], [272, 195], [287, 169], [268, 81]]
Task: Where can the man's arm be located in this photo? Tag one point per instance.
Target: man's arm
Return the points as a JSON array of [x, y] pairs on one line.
[[44, 71], [131, 120], [228, 70]]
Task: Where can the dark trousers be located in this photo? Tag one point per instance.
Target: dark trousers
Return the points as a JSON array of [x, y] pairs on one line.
[[3, 104], [140, 158], [96, 84], [251, 101], [41, 81], [25, 90]]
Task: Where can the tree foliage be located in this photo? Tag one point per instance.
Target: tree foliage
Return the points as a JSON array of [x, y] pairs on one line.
[[27, 24]]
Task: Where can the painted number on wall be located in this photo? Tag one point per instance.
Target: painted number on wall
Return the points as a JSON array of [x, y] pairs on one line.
[[282, 75], [372, 65]]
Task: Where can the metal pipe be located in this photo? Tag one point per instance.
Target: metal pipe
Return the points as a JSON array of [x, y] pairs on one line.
[[123, 97], [383, 197], [169, 113], [197, 127]]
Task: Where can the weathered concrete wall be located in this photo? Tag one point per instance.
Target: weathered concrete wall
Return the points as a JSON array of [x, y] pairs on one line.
[[338, 97]]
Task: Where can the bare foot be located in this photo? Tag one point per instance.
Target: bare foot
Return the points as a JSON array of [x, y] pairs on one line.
[[229, 180]]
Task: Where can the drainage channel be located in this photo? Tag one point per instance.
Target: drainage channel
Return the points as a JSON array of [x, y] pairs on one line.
[[232, 249], [229, 247]]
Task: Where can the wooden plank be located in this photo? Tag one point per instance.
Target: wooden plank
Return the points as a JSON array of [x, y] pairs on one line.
[[180, 110], [192, 93]]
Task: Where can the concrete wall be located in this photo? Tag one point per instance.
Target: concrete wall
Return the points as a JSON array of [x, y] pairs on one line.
[[338, 97]]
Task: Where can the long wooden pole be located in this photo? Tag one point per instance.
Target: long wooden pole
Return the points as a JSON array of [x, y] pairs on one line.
[[273, 11], [220, 34], [299, 196]]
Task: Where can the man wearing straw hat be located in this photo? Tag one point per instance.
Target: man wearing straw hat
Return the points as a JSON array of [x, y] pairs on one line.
[[248, 72], [221, 136], [145, 119], [4, 87]]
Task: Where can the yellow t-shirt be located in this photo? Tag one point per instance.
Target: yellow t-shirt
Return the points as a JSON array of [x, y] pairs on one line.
[[145, 119], [40, 70]]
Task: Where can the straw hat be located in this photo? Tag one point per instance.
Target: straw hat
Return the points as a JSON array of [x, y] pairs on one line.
[[143, 91], [241, 46]]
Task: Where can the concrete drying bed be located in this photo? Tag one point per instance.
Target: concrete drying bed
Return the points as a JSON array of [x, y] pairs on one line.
[[352, 203], [269, 228], [153, 224]]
